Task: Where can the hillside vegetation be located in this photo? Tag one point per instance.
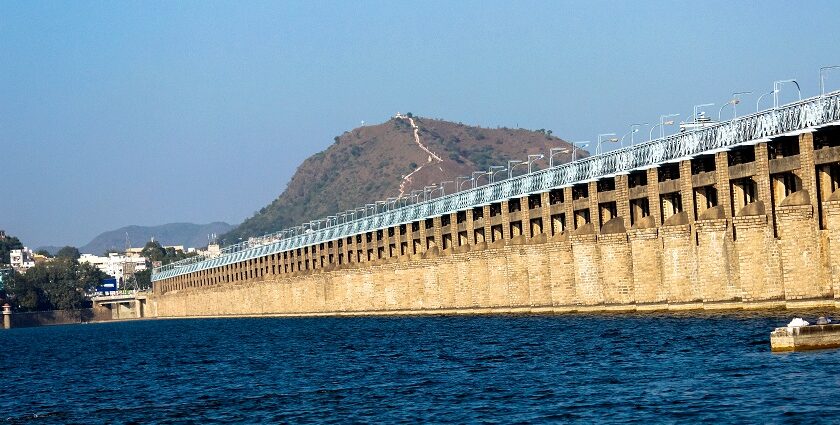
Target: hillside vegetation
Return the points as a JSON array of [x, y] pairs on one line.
[[371, 163]]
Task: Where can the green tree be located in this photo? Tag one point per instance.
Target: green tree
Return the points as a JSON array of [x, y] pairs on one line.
[[144, 278], [43, 252], [60, 284], [23, 295], [153, 251], [7, 244], [69, 252]]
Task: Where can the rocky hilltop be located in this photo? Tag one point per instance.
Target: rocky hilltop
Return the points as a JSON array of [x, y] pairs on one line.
[[405, 153]]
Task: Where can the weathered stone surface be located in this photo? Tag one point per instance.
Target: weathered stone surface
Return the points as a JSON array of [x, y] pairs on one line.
[[677, 219], [755, 208], [713, 213], [645, 223], [586, 229], [615, 225], [797, 198]]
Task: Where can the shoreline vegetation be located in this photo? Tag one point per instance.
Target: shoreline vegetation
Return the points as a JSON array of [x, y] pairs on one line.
[[62, 282]]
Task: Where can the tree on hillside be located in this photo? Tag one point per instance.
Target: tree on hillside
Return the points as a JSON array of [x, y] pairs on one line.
[[44, 252], [68, 252], [153, 251]]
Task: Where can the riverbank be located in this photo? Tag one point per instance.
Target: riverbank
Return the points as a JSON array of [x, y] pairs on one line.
[[58, 317]]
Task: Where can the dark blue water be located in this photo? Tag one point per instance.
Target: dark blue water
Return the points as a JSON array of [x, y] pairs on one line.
[[628, 369]]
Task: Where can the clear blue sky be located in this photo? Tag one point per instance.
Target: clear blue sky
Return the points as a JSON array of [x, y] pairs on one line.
[[117, 113]]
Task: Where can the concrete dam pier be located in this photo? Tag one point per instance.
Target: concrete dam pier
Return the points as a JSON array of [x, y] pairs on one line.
[[734, 215]]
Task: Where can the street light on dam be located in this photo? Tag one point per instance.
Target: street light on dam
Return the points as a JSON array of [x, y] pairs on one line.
[[634, 128], [602, 138], [734, 102], [555, 151], [511, 165], [495, 169], [823, 71], [578, 145], [777, 88], [758, 101], [661, 125]]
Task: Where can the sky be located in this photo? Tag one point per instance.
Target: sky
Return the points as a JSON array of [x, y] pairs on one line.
[[145, 112]]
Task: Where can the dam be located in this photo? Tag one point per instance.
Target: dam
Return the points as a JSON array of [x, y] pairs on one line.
[[741, 214]]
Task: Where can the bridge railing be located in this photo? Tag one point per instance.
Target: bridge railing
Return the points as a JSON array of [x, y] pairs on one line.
[[749, 129]]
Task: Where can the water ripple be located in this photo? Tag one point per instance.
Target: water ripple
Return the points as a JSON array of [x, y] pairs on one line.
[[498, 369]]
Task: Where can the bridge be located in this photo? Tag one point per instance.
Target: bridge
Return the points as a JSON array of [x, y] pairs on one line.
[[657, 210], [122, 305]]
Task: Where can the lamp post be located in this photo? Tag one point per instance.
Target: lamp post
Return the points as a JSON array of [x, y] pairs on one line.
[[734, 102], [823, 71], [443, 185], [415, 195], [495, 169], [475, 176], [601, 140], [699, 109], [532, 158], [762, 96], [578, 145], [554, 151], [428, 191], [461, 180], [511, 165], [634, 128], [777, 89], [661, 125]]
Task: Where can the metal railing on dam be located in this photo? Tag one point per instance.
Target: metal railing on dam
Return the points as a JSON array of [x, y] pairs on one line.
[[785, 120]]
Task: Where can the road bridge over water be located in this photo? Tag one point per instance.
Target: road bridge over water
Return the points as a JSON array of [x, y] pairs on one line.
[[735, 214]]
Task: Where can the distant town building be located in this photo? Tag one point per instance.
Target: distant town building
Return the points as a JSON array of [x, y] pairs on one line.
[[22, 259], [116, 265], [213, 250], [134, 252]]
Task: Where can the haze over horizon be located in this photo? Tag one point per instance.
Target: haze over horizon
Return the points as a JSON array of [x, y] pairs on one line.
[[148, 113]]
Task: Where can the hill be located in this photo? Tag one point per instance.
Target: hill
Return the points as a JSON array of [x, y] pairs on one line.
[[186, 234], [405, 153], [52, 249]]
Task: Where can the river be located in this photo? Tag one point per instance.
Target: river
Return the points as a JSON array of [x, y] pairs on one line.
[[496, 369]]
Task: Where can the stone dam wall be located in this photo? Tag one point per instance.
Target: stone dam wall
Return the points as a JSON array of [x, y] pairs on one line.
[[754, 227]]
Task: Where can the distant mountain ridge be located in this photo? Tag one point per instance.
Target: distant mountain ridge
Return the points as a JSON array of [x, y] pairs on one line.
[[404, 154], [186, 234]]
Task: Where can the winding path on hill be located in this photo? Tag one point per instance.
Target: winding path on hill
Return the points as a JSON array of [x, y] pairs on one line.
[[407, 178]]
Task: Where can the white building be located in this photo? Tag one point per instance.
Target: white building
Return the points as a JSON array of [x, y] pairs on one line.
[[22, 259], [116, 265], [213, 250]]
